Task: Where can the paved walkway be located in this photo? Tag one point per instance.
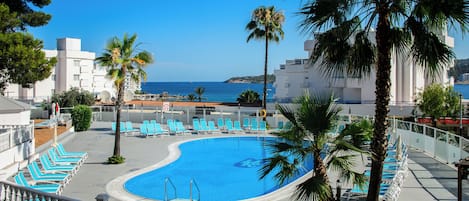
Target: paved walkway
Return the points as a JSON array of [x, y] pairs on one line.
[[428, 178]]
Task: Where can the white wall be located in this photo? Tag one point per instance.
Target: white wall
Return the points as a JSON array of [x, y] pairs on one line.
[[21, 118]]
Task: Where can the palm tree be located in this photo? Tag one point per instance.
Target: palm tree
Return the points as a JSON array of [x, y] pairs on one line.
[[248, 96], [122, 60], [312, 118], [407, 26], [266, 23], [199, 91], [191, 97]]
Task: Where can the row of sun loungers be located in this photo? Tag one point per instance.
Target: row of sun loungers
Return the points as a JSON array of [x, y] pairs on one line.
[[394, 172], [56, 169], [199, 126]]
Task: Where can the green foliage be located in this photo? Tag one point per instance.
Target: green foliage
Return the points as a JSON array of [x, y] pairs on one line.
[[124, 58], [248, 96], [73, 97], [191, 97], [437, 101], [116, 159], [252, 79], [81, 117], [313, 117], [199, 91], [22, 60], [25, 15]]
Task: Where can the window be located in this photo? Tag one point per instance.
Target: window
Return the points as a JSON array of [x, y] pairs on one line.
[[53, 77], [76, 63], [76, 77]]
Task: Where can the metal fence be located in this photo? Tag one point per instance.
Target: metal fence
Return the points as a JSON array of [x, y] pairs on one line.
[[14, 135]]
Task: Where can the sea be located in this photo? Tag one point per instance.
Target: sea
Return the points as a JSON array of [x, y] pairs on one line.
[[214, 91], [229, 92]]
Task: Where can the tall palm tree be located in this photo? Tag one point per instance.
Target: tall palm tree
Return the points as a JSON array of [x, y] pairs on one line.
[[199, 91], [266, 24], [312, 118], [408, 26], [123, 59]]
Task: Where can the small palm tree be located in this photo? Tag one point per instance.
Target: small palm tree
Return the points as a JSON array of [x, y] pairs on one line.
[[408, 27], [266, 23], [312, 118], [191, 97], [122, 60], [248, 96], [199, 91]]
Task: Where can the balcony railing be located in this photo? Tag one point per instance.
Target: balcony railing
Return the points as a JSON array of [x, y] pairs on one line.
[[13, 192]]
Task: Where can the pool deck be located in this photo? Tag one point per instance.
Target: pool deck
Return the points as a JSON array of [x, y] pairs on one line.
[[428, 178]]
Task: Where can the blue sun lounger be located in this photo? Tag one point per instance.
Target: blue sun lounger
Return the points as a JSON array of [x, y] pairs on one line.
[[56, 159], [49, 167], [62, 153], [48, 188], [39, 176]]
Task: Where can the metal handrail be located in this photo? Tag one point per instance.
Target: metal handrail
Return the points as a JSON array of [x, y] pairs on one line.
[[166, 188], [197, 187]]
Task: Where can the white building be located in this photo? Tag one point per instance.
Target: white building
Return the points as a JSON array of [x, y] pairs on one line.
[[74, 69], [407, 79]]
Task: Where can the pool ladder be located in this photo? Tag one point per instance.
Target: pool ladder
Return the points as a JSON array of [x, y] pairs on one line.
[[192, 184]]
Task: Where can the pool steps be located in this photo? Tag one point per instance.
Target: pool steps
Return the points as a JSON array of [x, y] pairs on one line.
[[192, 184]]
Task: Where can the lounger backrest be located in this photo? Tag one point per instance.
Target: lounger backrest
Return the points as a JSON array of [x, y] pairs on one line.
[[220, 123], [237, 125], [143, 129], [246, 122], [229, 125], [19, 180], [262, 125], [211, 125], [45, 161]]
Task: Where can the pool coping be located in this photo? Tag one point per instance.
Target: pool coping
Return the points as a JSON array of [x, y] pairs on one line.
[[115, 188]]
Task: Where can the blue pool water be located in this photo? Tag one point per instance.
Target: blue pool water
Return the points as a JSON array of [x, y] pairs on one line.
[[224, 169]]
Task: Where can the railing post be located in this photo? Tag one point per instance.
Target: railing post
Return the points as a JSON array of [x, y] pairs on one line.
[[434, 142], [424, 127], [447, 147]]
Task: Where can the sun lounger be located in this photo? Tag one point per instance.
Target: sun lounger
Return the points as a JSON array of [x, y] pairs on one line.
[[39, 176], [262, 126], [197, 126], [180, 127], [129, 128], [50, 168], [203, 125], [254, 125], [211, 127], [63, 161], [62, 153], [221, 124], [48, 188], [246, 124]]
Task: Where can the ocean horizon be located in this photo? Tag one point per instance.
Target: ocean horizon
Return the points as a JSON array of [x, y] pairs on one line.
[[229, 92], [214, 91]]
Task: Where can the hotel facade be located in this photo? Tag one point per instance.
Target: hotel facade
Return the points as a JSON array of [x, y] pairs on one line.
[[74, 69], [407, 79]]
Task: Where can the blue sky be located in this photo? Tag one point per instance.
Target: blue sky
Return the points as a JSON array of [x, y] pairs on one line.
[[190, 40]]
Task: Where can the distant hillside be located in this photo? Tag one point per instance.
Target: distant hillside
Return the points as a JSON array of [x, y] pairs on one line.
[[251, 79], [461, 66]]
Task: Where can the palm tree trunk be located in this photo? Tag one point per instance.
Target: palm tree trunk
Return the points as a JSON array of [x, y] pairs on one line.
[[120, 97], [383, 84], [320, 170], [264, 98]]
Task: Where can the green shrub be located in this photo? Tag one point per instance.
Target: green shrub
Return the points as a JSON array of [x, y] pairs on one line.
[[81, 117], [116, 160]]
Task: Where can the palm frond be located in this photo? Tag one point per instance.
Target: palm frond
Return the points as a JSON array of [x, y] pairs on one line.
[[314, 188]]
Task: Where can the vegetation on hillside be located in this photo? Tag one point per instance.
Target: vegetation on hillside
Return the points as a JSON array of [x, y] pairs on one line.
[[251, 79]]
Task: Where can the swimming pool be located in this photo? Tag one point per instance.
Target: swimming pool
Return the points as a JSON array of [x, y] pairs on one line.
[[223, 168]]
